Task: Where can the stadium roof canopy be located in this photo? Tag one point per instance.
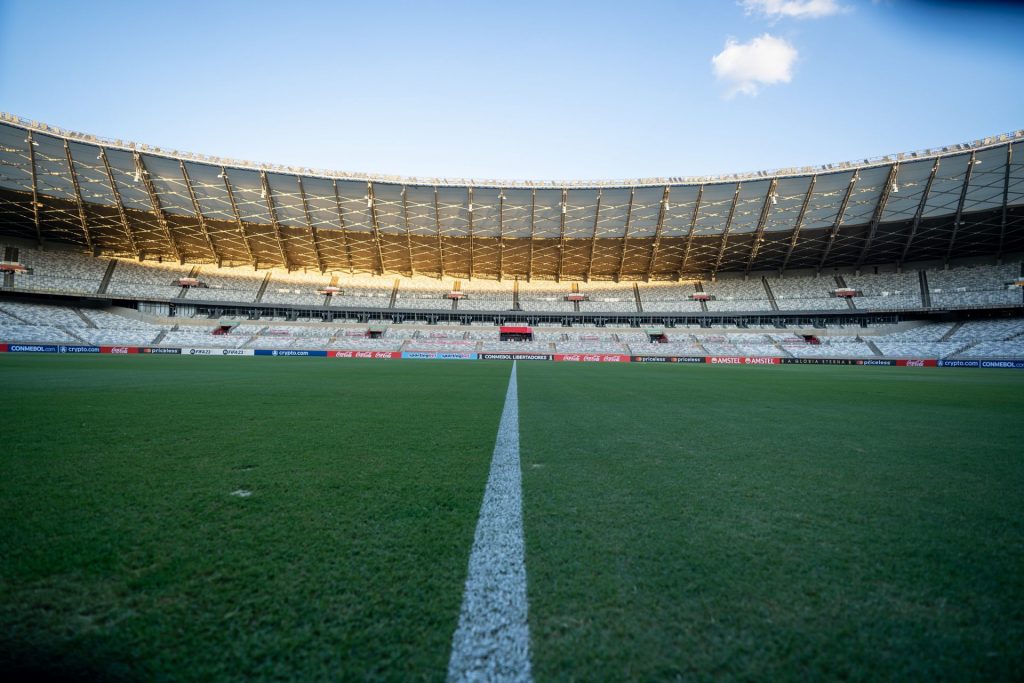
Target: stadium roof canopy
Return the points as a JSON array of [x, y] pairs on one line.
[[121, 198]]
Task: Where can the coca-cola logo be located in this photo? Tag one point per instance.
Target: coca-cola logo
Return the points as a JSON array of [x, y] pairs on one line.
[[119, 349], [915, 363], [364, 354]]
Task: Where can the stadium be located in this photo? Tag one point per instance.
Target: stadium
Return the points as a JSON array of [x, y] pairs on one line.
[[746, 426], [914, 256]]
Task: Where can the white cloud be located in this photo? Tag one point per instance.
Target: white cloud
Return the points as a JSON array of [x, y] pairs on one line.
[[765, 60], [799, 9]]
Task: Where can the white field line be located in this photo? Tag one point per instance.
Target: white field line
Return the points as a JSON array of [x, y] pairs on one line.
[[492, 641]]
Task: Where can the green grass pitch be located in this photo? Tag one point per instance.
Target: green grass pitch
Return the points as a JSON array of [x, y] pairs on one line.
[[682, 522]]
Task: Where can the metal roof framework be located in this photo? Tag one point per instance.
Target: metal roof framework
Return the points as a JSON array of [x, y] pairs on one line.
[[126, 199]]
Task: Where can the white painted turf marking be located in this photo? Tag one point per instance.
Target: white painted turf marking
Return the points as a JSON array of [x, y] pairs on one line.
[[492, 641]]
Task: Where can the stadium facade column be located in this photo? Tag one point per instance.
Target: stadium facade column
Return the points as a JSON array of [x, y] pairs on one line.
[[154, 202], [199, 212], [78, 198]]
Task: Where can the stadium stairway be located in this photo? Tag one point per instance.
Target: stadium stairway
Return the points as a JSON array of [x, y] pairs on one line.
[[16, 317], [926, 295], [874, 349], [67, 331], [841, 283], [952, 331], [107, 274], [159, 338], [263, 287], [770, 293], [394, 292], [88, 322], [636, 296], [699, 287]]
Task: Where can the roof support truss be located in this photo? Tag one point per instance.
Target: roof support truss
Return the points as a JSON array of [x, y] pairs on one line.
[[795, 237], [36, 205], [876, 218], [593, 239], [440, 242], [920, 212], [371, 206], [313, 236], [533, 212], [689, 233], [161, 219], [662, 210], [625, 235], [344, 230], [501, 234], [960, 205], [469, 226], [561, 236], [1006, 199], [78, 197], [268, 197], [238, 217], [408, 234], [120, 205], [725, 231], [839, 219], [199, 213], [762, 220]]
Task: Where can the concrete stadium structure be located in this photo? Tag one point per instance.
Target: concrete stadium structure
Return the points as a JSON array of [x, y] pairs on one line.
[[116, 198]]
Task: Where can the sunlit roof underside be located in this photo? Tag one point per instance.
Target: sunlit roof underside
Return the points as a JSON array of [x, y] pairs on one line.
[[124, 199]]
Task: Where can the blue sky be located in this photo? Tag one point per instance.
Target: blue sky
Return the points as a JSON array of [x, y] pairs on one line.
[[535, 90]]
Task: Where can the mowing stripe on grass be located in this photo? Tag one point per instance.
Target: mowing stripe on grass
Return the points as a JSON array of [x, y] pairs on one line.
[[492, 641]]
